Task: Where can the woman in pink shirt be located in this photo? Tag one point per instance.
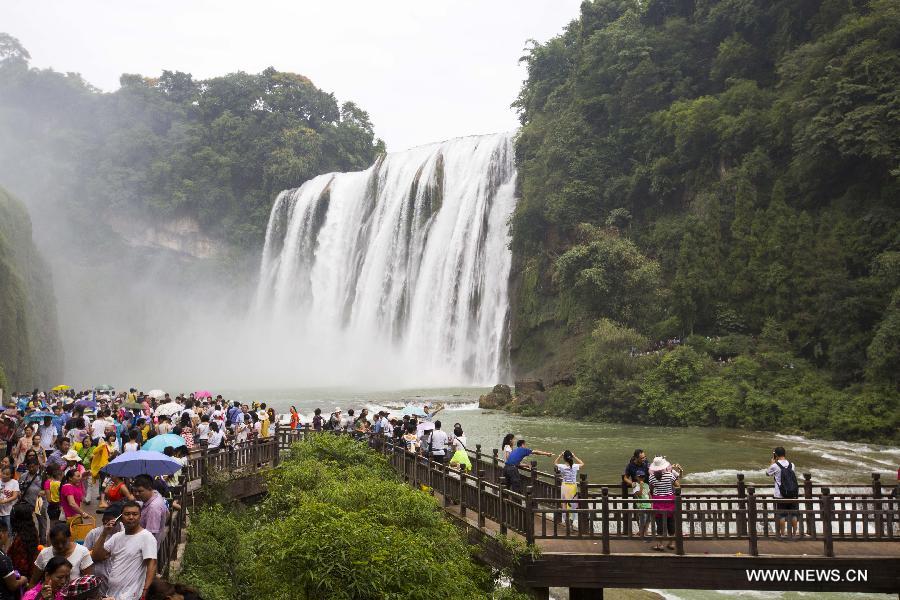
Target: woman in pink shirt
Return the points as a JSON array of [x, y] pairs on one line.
[[71, 494]]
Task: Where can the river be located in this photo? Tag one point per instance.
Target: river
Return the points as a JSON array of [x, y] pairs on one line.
[[708, 455]]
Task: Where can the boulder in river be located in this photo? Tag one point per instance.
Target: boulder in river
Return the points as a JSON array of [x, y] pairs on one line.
[[499, 397]]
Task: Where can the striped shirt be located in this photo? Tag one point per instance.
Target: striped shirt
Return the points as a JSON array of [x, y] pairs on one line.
[[664, 484]]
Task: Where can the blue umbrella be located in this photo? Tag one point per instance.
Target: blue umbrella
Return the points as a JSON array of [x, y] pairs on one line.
[[39, 416], [413, 411], [161, 442], [86, 403], [142, 462]]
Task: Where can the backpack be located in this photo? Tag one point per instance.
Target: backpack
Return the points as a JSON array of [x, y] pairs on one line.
[[788, 487]]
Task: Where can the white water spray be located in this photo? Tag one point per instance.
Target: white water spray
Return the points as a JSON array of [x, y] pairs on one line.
[[403, 267]]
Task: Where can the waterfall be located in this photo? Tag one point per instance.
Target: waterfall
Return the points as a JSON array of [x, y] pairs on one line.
[[403, 267]]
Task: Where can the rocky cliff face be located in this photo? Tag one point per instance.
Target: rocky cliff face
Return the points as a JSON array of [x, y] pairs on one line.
[[178, 234], [30, 350]]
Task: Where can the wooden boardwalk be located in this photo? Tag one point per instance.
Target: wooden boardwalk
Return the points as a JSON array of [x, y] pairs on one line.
[[724, 534]]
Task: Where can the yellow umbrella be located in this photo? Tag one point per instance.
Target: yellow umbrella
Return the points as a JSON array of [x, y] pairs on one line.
[[60, 388]]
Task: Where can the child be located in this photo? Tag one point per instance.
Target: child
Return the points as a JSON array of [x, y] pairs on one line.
[[51, 490], [641, 491]]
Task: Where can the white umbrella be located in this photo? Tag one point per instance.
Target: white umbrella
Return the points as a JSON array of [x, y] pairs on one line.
[[423, 427], [168, 409], [156, 394]]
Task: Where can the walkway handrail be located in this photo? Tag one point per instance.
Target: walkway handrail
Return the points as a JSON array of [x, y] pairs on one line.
[[604, 512]]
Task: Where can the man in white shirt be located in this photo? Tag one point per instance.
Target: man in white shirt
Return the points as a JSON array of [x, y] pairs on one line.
[[47, 431], [110, 513], [781, 469], [133, 554], [98, 427], [439, 440]]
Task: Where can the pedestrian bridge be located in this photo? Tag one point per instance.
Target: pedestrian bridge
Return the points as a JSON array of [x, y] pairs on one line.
[[725, 535]]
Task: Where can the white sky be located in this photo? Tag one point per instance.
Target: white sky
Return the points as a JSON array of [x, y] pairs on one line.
[[425, 70]]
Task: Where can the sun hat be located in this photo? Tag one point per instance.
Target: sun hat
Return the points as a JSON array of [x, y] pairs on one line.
[[660, 464], [72, 455], [82, 585]]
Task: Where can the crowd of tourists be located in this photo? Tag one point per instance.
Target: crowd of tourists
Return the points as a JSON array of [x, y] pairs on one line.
[[56, 483]]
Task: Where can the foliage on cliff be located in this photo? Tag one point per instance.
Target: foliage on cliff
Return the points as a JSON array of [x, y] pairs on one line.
[[217, 150], [716, 168], [336, 524], [30, 353]]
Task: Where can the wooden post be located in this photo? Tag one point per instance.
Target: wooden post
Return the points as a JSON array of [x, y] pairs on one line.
[[477, 457], [445, 489], [495, 467], [429, 470], [529, 515], [204, 467], [585, 521], [462, 490], [501, 488], [679, 534], [277, 458], [533, 474], [808, 506], [827, 508], [604, 524], [626, 517], [480, 484], [557, 484], [751, 520], [742, 493], [877, 505]]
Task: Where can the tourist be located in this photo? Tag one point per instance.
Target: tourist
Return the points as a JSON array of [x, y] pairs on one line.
[[47, 433], [98, 427], [154, 511], [38, 450], [317, 420], [203, 430], [295, 418], [460, 456], [84, 588], [439, 446], [511, 468], [663, 479], [132, 445], [637, 463], [12, 580], [110, 514], [507, 445], [216, 437], [9, 495], [52, 484], [58, 456], [786, 489], [133, 553], [568, 469], [57, 575], [71, 495], [23, 445], [63, 546], [100, 457], [23, 549], [641, 492], [410, 439], [186, 430], [117, 490]]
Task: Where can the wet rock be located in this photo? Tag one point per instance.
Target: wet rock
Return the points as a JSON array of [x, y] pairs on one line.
[[499, 397]]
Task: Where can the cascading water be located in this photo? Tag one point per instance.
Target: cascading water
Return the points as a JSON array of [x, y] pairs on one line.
[[403, 267]]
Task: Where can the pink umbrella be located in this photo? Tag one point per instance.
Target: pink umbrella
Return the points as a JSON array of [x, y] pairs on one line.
[[202, 394]]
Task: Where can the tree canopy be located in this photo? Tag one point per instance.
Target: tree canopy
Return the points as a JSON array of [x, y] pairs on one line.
[[750, 151], [217, 150]]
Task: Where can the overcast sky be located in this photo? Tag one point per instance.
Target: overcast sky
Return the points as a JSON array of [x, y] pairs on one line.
[[425, 70]]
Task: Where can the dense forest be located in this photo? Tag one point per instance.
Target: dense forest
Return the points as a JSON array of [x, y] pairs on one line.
[[215, 150], [30, 355], [709, 228]]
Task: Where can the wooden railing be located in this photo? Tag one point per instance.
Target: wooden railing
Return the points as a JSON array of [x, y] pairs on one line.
[[861, 512], [868, 512]]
